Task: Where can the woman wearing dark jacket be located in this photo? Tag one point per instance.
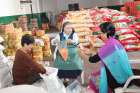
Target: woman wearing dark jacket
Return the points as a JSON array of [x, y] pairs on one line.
[[115, 68], [25, 69]]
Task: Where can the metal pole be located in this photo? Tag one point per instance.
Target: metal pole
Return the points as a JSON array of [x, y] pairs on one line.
[[31, 10]]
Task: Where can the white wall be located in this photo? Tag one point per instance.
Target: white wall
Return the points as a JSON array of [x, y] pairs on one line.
[[63, 4], [13, 7], [92, 3], [56, 6], [48, 5], [117, 2]]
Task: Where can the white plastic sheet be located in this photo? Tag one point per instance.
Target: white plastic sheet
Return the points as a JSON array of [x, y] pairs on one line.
[[39, 42], [74, 87], [5, 75], [50, 82], [22, 89], [5, 70]]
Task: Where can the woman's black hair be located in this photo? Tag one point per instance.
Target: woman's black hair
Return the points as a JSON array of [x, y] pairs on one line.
[[27, 39], [108, 28], [62, 32], [65, 24]]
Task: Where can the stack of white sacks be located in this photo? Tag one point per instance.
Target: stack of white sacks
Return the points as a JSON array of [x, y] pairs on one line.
[[5, 68]]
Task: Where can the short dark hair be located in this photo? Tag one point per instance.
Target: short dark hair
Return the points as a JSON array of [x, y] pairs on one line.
[[65, 24], [109, 28], [27, 39]]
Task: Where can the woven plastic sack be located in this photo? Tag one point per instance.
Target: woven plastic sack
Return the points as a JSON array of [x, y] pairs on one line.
[[51, 81], [22, 89], [5, 75], [74, 87]]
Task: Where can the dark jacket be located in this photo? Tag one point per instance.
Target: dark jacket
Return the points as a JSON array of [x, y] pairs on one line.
[[24, 67]]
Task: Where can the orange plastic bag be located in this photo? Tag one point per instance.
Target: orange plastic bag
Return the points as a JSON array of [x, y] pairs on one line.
[[64, 53]]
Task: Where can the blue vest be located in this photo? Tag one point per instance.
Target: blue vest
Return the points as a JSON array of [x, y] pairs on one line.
[[63, 38]]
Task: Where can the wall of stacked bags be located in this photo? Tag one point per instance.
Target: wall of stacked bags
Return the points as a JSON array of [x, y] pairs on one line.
[[12, 9], [132, 8], [41, 53], [12, 35], [86, 23], [9, 19]]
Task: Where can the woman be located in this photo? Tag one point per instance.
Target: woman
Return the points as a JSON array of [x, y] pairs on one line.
[[115, 69], [25, 69], [71, 67]]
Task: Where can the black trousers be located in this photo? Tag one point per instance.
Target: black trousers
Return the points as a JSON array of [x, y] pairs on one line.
[[111, 81]]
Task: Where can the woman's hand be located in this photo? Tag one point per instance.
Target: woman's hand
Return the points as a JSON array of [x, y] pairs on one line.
[[92, 40], [69, 41], [86, 51], [84, 54], [55, 42]]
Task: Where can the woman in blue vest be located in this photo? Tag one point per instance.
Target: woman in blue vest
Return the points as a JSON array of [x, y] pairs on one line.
[[72, 67]]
